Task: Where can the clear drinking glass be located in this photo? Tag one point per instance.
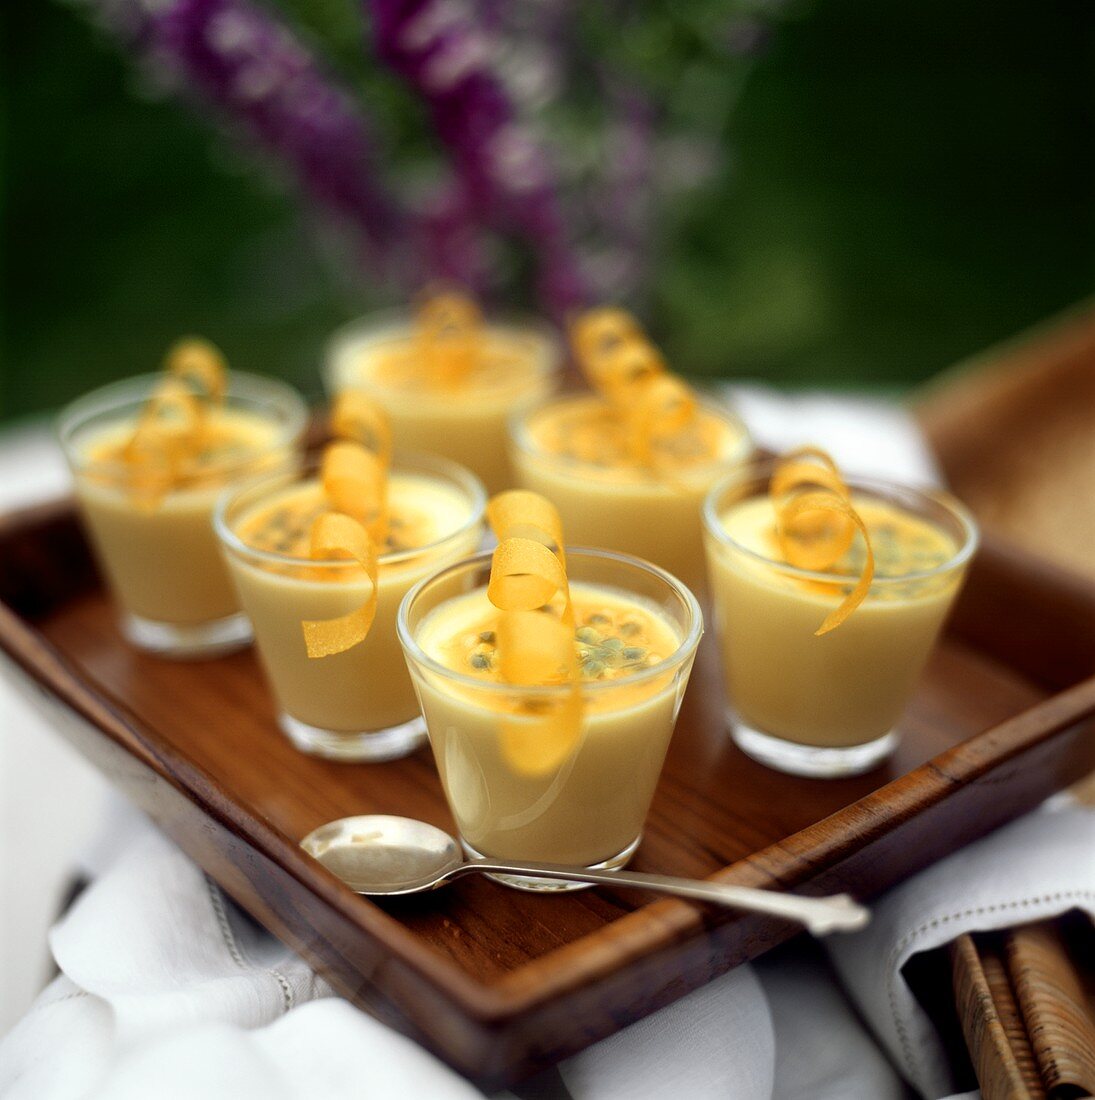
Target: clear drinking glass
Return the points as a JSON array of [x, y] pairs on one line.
[[583, 806], [825, 706], [654, 516], [358, 705], [465, 422], [161, 559]]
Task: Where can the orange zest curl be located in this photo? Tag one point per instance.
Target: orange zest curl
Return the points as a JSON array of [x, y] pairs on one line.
[[354, 470], [599, 332], [622, 364], [807, 491], [200, 364], [355, 483], [338, 537], [171, 429], [361, 420], [518, 513], [663, 406], [534, 648], [535, 645], [354, 477], [449, 335], [525, 575]]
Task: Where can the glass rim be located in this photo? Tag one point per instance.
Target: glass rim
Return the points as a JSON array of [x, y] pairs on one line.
[[395, 325], [137, 389], [685, 651], [427, 462], [761, 470], [521, 437]]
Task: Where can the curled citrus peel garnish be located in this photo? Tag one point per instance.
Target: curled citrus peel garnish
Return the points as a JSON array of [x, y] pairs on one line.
[[338, 537], [360, 419], [600, 330], [202, 365], [651, 404], [525, 575], [535, 646], [448, 335], [355, 482], [807, 491], [518, 513], [664, 406], [354, 478], [171, 429]]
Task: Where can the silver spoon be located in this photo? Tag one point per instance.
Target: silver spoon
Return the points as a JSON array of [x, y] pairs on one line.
[[378, 854]]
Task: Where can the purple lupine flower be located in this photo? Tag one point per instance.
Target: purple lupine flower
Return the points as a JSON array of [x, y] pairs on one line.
[[265, 83], [622, 195], [448, 58], [451, 246]]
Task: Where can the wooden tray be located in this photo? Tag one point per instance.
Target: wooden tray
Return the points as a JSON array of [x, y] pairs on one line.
[[1014, 430], [500, 983]]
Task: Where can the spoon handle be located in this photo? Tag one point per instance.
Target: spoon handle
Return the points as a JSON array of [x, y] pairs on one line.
[[836, 913]]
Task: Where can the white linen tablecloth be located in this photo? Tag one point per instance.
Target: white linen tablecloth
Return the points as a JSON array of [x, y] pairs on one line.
[[167, 990]]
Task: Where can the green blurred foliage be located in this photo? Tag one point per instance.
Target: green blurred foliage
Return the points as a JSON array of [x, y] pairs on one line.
[[897, 186]]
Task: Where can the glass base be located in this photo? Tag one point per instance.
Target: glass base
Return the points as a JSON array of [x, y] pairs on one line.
[[811, 760], [188, 642], [552, 885], [371, 747]]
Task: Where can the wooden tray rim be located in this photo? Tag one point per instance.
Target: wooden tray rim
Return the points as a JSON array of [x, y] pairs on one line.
[[788, 863]]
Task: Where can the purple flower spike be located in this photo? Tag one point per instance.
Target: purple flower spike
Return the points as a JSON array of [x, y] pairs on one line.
[[265, 82], [444, 53]]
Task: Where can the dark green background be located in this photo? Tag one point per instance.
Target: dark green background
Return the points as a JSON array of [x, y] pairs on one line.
[[901, 186]]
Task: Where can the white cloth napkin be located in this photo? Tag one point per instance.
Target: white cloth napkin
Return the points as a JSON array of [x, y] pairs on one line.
[[167, 990], [1033, 869]]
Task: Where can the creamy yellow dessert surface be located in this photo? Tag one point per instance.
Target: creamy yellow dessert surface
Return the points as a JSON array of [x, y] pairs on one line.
[[366, 687], [590, 432], [421, 510], [463, 419], [608, 501], [228, 438], [592, 805], [508, 362], [849, 686], [903, 544], [159, 550], [615, 635]]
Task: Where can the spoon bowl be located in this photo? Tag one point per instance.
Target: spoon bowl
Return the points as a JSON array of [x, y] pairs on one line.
[[383, 855], [378, 854]]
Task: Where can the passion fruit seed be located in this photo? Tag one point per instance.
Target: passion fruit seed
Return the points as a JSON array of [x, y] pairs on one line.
[[630, 628], [481, 658], [633, 653], [487, 636], [589, 636]]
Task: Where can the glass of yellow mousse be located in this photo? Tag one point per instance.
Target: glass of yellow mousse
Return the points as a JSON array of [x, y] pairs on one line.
[[628, 466], [147, 499], [563, 771], [447, 379], [820, 658], [575, 451], [356, 702]]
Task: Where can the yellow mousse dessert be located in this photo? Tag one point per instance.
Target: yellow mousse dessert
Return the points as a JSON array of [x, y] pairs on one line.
[[150, 458], [448, 380], [829, 597], [550, 701], [628, 467], [321, 561]]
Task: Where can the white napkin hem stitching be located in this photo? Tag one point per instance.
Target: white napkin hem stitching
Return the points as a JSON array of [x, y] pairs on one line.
[[230, 942], [899, 1025]]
